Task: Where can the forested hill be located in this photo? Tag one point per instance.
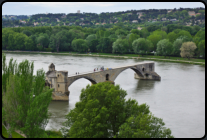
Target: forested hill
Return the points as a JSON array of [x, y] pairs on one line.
[[182, 16]]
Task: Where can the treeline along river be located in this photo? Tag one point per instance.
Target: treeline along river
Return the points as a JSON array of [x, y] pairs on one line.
[[179, 98]]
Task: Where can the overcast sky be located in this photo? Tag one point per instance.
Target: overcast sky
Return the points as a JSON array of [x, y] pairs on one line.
[[31, 8]]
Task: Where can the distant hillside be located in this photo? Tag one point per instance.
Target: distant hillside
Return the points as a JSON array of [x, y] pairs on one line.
[[15, 17], [182, 16]]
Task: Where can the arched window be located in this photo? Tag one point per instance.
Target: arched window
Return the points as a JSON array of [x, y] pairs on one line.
[[107, 77], [150, 67], [142, 69], [58, 75], [58, 85]]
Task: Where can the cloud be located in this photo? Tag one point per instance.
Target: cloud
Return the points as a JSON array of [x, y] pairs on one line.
[[101, 4], [51, 4], [70, 4]]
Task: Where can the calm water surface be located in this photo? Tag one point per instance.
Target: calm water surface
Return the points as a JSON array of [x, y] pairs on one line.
[[179, 98]]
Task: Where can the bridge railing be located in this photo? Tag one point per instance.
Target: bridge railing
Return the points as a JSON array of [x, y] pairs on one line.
[[88, 72], [108, 69]]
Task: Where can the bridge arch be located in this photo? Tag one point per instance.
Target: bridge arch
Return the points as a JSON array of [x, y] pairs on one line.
[[93, 81], [137, 71]]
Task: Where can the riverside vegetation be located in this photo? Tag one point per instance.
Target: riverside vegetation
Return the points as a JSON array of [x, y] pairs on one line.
[[117, 40]]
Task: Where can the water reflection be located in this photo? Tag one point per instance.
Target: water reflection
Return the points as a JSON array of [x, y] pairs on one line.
[[57, 110], [145, 84]]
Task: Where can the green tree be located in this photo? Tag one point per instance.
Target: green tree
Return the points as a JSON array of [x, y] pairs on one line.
[[184, 33], [141, 46], [21, 109], [121, 32], [172, 36], [29, 44], [144, 126], [144, 33], [34, 39], [19, 41], [6, 44], [60, 41], [76, 33], [104, 45], [79, 45], [187, 49], [90, 37], [11, 43], [176, 31], [200, 35], [164, 28], [93, 45], [27, 32], [164, 48], [43, 40], [135, 31], [103, 110], [131, 38], [106, 34], [154, 38], [176, 46], [120, 45], [184, 13], [163, 34], [100, 34], [185, 38], [201, 48]]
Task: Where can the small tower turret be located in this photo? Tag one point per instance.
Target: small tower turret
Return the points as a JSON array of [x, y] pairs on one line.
[[51, 67]]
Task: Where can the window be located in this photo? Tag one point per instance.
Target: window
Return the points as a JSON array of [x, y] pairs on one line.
[[58, 85], [142, 69], [150, 67], [107, 77]]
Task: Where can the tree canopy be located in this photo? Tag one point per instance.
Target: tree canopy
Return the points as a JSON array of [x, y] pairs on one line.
[[103, 112], [164, 47], [187, 49], [141, 46]]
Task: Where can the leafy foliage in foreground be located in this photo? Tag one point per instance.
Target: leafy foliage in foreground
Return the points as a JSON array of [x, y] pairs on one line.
[[103, 112], [25, 99]]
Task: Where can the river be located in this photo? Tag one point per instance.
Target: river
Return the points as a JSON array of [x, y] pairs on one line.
[[179, 98]]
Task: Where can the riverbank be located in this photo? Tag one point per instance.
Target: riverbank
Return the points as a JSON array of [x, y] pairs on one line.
[[18, 134], [15, 134], [124, 56]]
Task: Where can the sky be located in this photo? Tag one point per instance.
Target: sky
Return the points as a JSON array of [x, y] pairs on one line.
[[32, 8]]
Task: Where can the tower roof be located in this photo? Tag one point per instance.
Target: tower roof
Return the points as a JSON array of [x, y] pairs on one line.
[[51, 65]]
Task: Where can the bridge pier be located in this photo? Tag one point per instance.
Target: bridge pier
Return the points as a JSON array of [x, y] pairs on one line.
[[148, 76], [59, 96]]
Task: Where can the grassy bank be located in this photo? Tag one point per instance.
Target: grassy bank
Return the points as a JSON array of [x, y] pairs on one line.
[[14, 134], [126, 56], [50, 133]]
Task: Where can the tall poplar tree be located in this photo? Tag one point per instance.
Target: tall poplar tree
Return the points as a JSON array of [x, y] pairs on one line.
[[25, 98]]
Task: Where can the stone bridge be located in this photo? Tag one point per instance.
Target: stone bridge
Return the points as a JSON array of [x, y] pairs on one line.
[[60, 81]]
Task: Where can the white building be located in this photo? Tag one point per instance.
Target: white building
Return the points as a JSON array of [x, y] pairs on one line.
[[134, 21]]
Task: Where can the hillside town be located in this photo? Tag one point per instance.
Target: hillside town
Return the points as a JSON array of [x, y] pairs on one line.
[[182, 16]]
